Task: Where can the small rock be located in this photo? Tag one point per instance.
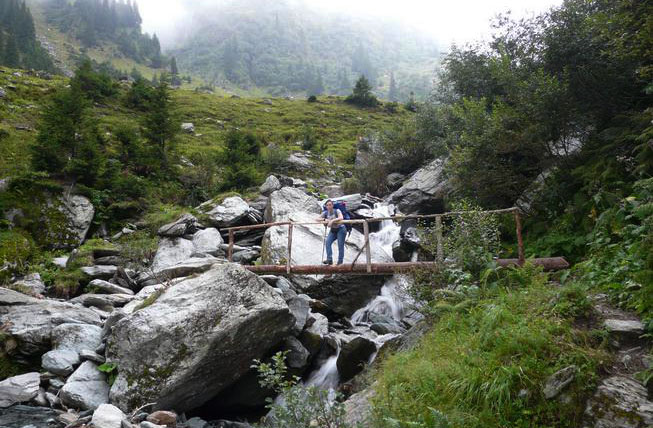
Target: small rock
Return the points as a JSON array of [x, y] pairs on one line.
[[107, 416], [188, 127], [3, 93], [32, 282], [624, 331], [558, 381], [162, 417], [87, 355], [271, 184], [146, 424], [86, 388], [197, 423], [19, 389], [99, 271], [40, 399], [103, 286], [61, 262], [60, 361]]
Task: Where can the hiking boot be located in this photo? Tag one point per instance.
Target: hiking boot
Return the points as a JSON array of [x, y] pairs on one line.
[[327, 262]]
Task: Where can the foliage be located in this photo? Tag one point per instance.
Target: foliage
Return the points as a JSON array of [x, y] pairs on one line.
[[301, 406], [402, 150], [160, 123], [239, 159], [16, 250], [361, 95], [485, 360], [111, 369], [309, 139]]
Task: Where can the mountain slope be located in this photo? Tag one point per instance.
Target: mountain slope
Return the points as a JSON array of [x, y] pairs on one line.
[[287, 48]]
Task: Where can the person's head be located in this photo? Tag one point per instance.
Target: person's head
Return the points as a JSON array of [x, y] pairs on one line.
[[329, 204]]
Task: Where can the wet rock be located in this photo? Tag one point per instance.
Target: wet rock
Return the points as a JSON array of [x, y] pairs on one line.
[[353, 356], [99, 271], [31, 321], [167, 350], [317, 327], [107, 287], [424, 191], [231, 212], [619, 402], [187, 224], [558, 381], [86, 388], [19, 389], [107, 416], [197, 423], [208, 241], [60, 361], [271, 184], [298, 355]]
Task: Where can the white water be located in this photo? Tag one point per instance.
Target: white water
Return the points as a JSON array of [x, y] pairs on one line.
[[387, 303]]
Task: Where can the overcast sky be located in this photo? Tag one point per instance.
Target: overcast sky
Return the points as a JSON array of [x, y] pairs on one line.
[[448, 21]]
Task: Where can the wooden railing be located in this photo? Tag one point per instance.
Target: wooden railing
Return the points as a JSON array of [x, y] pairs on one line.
[[370, 268]]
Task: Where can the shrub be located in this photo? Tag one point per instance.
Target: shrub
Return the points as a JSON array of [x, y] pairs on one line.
[[362, 94], [312, 99], [301, 406], [16, 250], [309, 139]]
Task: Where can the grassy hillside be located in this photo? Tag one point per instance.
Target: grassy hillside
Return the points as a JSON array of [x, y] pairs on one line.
[[336, 125]]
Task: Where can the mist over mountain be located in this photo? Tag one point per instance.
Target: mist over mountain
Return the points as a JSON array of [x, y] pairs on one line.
[[287, 47]]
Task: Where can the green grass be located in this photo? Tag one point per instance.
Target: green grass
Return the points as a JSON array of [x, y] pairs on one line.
[[470, 368]]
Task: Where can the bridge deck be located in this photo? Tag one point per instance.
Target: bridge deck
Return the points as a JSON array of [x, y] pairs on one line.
[[549, 263]]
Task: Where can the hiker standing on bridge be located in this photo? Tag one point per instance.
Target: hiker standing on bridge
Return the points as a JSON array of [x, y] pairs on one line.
[[332, 218]]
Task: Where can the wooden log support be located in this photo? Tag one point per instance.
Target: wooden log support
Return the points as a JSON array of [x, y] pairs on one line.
[[368, 253], [549, 263], [520, 240], [438, 236], [230, 251], [288, 262]]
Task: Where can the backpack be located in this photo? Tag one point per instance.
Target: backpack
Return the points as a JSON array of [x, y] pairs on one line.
[[342, 206]]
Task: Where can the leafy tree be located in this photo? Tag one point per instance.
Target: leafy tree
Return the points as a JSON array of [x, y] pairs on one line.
[[362, 94]]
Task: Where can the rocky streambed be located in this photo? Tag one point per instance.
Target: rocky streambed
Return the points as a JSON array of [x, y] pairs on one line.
[[175, 341]]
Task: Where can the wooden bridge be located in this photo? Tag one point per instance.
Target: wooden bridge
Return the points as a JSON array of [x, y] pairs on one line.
[[369, 268]]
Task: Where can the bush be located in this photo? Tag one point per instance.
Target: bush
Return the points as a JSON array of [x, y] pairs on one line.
[[240, 160], [309, 139], [16, 250], [275, 158], [312, 99], [301, 406], [361, 95]]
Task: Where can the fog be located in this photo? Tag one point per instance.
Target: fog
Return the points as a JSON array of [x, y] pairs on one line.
[[451, 21]]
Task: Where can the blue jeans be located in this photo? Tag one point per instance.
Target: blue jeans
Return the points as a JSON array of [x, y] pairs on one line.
[[340, 235]]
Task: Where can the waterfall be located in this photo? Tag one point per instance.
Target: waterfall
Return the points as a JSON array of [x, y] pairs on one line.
[[387, 303]]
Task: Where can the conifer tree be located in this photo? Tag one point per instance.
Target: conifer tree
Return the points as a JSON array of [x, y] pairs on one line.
[[392, 92]]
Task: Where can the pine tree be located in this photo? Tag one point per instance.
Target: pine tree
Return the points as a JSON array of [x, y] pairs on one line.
[[11, 55], [362, 94], [392, 92], [160, 124]]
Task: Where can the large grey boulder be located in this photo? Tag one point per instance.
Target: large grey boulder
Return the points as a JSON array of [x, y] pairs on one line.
[[79, 211], [358, 408], [23, 416], [196, 339], [271, 184], [19, 389], [624, 331], [187, 224], [424, 191], [172, 251], [619, 402], [207, 241], [86, 388], [289, 200], [231, 212], [31, 321]]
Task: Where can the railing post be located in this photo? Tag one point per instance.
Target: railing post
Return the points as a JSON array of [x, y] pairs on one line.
[[438, 237], [520, 241], [368, 254], [289, 248], [230, 251]]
